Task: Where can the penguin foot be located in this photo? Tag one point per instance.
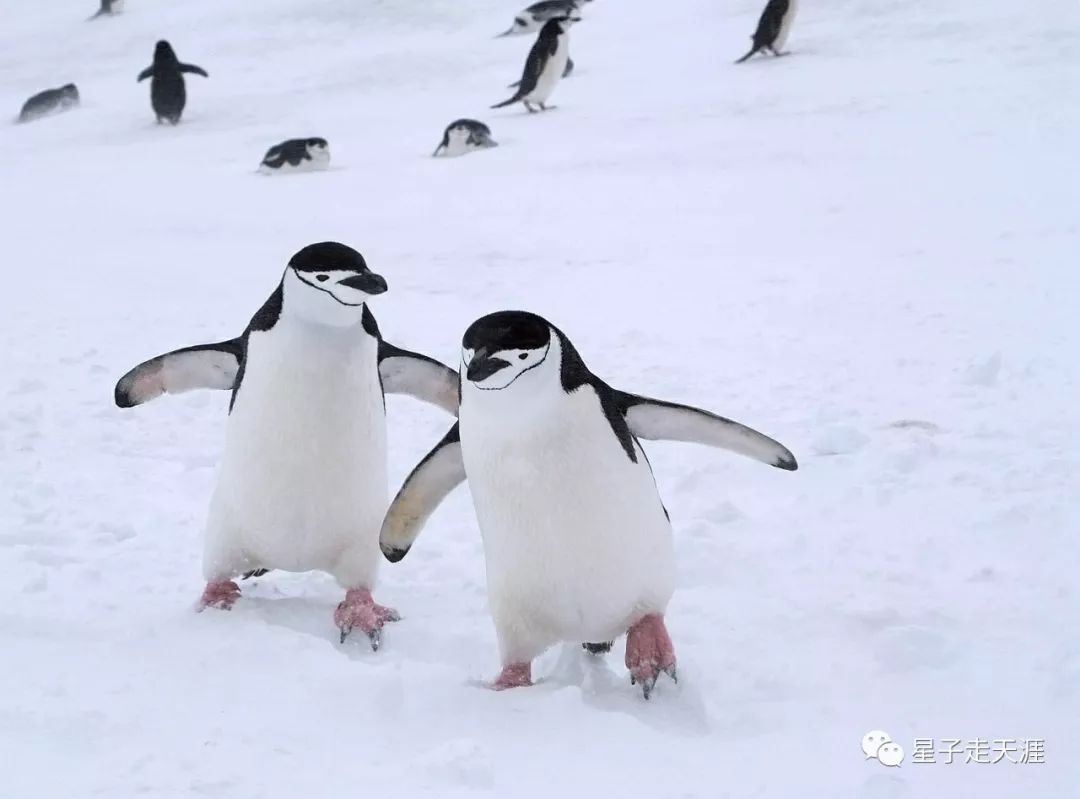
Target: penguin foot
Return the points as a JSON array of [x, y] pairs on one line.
[[516, 675], [649, 653], [221, 595], [359, 610]]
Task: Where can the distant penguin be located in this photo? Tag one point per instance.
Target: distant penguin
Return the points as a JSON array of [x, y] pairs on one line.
[[296, 155], [464, 136], [533, 18], [773, 28], [302, 483], [577, 543], [109, 7], [50, 101], [545, 65], [168, 95]]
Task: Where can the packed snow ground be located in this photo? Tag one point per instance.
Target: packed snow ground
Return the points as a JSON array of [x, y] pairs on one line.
[[866, 249]]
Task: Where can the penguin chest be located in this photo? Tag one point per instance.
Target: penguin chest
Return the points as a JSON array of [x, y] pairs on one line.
[[551, 72], [575, 536], [304, 471]]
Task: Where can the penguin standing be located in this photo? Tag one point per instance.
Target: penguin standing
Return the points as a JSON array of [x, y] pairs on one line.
[[168, 95], [545, 65], [773, 28], [109, 7], [302, 484], [577, 542], [50, 101]]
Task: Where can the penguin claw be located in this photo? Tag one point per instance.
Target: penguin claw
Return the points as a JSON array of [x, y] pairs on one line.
[[671, 672], [344, 634], [375, 636], [647, 686]]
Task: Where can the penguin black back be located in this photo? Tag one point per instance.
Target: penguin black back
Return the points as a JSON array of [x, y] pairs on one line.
[[168, 94]]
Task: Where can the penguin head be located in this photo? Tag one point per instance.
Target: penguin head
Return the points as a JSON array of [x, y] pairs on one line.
[[164, 54], [557, 26], [328, 283], [463, 135], [510, 349], [317, 149], [69, 94], [522, 24]]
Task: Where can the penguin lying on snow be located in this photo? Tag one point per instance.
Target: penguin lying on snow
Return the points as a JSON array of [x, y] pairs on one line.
[[50, 101], [302, 484], [577, 542], [533, 18], [168, 95], [109, 7], [545, 65], [296, 155], [464, 136], [773, 28]]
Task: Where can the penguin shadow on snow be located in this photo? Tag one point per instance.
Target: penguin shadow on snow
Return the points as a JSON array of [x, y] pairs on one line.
[[605, 686]]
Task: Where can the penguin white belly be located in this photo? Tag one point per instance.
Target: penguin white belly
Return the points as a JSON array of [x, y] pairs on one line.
[[785, 26], [551, 74], [303, 480], [577, 543]]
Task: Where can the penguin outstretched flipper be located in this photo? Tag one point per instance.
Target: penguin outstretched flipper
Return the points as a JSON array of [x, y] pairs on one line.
[[658, 420], [194, 70], [202, 366], [146, 73]]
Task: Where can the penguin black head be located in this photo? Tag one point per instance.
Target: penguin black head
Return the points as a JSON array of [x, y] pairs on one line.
[[499, 348], [327, 276], [69, 94], [463, 135], [163, 53], [316, 143]]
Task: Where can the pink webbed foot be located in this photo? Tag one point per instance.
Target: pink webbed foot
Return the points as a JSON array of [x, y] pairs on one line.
[[360, 610], [649, 652], [222, 595], [516, 675]]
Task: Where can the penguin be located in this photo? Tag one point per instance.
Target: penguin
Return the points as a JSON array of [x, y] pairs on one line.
[[168, 96], [50, 101], [464, 136], [773, 28], [577, 542], [533, 18], [296, 155], [108, 8], [545, 65], [302, 483]]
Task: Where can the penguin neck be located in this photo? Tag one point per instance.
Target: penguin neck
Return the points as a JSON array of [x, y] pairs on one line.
[[307, 305]]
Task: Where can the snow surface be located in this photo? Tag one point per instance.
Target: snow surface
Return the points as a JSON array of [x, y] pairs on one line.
[[866, 249]]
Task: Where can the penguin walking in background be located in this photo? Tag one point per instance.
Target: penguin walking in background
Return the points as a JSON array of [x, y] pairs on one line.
[[302, 484], [464, 136], [545, 65], [168, 95], [296, 155], [577, 542], [50, 101], [773, 28], [109, 7]]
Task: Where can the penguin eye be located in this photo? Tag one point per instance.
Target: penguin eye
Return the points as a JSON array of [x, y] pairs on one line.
[[322, 278], [523, 356]]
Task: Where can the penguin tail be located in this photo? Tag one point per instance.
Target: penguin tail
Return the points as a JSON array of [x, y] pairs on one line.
[[515, 99], [747, 56], [101, 12]]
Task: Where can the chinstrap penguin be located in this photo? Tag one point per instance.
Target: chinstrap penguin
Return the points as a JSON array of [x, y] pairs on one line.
[[577, 542], [545, 65], [109, 7], [168, 94], [464, 136], [302, 483], [773, 28], [50, 101], [296, 155], [533, 18]]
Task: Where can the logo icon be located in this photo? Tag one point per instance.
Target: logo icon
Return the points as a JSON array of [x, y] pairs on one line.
[[880, 746]]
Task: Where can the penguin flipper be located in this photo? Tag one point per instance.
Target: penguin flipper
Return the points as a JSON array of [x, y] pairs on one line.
[[146, 73], [201, 366], [419, 376], [194, 70], [439, 473], [659, 420]]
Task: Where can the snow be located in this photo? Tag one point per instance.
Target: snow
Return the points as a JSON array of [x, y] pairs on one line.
[[865, 249]]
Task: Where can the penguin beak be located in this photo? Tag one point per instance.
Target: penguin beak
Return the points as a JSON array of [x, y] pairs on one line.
[[481, 367], [368, 282], [504, 33]]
